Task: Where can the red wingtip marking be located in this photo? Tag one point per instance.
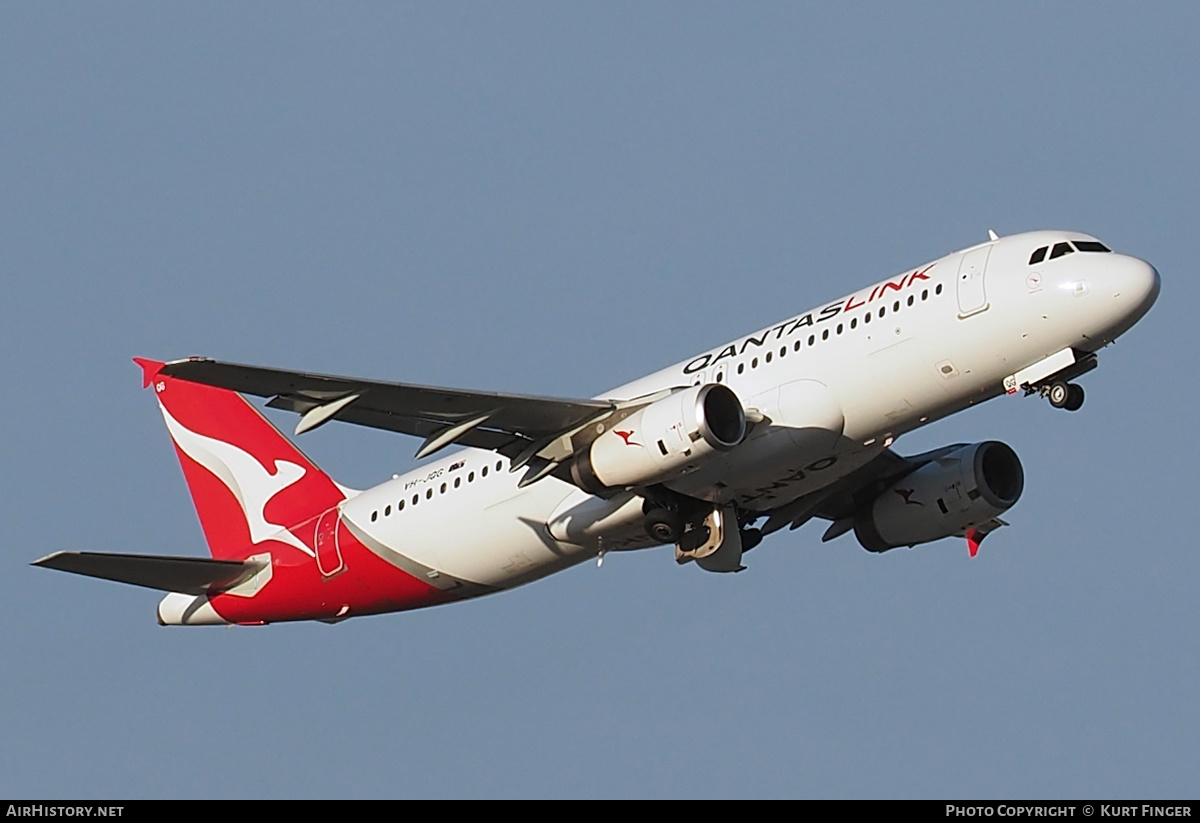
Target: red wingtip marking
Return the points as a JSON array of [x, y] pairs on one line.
[[973, 541], [150, 369]]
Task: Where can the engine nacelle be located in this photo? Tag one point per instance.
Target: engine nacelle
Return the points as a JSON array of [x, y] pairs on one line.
[[668, 438], [946, 496]]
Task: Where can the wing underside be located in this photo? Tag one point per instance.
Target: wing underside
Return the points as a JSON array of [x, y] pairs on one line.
[[839, 502]]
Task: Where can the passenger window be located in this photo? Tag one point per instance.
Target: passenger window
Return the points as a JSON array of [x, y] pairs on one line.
[[768, 357], [910, 300], [400, 506], [825, 334], [896, 306], [1060, 249], [812, 338], [854, 323], [1038, 255], [741, 367], [387, 510], [754, 363], [938, 290], [796, 346], [924, 294], [429, 494], [374, 516]]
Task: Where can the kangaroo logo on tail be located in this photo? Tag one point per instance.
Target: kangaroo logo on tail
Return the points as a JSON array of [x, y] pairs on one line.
[[244, 476]]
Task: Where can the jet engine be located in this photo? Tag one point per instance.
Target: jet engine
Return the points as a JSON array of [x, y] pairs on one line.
[[668, 438], [948, 495]]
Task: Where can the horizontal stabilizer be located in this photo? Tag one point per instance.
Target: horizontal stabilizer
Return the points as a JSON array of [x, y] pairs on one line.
[[189, 575]]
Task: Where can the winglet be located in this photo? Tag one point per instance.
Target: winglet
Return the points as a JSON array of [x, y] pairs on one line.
[[974, 538], [150, 370]]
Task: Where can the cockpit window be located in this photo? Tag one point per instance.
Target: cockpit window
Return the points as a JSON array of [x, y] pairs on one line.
[[1060, 249]]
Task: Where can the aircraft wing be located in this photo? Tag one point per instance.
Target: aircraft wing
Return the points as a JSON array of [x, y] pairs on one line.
[[517, 426], [839, 501]]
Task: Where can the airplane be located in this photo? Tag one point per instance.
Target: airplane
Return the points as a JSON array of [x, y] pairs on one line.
[[792, 423]]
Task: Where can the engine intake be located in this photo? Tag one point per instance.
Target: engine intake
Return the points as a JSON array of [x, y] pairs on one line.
[[668, 438], [946, 496]]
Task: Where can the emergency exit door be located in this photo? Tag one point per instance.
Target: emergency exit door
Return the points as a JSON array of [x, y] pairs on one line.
[[972, 295]]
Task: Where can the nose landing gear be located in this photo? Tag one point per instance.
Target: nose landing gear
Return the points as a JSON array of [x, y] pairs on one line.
[[1063, 395], [1055, 385]]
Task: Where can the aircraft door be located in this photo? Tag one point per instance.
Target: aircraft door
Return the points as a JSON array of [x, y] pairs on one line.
[[972, 298], [329, 553]]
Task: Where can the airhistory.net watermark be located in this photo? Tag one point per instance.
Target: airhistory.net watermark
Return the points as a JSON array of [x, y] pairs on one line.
[[47, 810]]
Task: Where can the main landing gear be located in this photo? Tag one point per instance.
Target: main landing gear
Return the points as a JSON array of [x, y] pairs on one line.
[[1063, 395], [664, 525], [684, 522]]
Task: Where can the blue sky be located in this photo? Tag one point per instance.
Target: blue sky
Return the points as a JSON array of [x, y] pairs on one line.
[[556, 198]]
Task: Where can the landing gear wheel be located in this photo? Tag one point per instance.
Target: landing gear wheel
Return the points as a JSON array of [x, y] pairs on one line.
[[663, 525], [1058, 394], [1074, 397]]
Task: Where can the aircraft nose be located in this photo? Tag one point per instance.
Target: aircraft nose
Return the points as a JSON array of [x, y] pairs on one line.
[[1138, 285], [1134, 285]]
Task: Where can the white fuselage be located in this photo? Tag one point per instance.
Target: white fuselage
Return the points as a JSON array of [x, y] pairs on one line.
[[835, 385]]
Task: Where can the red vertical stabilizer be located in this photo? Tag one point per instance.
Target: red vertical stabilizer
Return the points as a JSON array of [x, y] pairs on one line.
[[250, 484]]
